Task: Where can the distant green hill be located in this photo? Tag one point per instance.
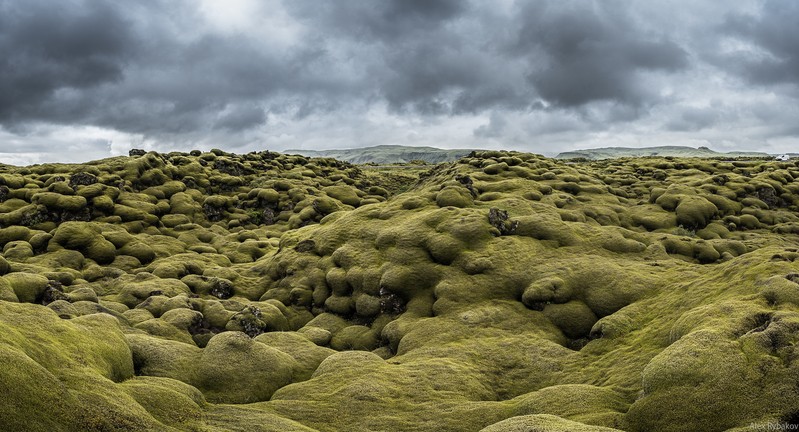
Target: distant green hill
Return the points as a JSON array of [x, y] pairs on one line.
[[387, 154], [662, 151]]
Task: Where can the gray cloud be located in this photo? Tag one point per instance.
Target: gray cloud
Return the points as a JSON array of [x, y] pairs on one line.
[[46, 47], [241, 117], [774, 32], [290, 73], [580, 52], [384, 21], [694, 119]]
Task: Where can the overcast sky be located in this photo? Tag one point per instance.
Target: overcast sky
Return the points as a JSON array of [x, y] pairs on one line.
[[86, 79]]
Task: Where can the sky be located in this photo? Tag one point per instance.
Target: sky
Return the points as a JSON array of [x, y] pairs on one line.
[[88, 79]]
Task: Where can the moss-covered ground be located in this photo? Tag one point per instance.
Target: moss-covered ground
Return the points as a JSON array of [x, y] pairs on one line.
[[502, 292]]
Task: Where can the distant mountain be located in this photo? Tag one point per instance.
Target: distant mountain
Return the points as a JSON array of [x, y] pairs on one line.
[[387, 154], [675, 151]]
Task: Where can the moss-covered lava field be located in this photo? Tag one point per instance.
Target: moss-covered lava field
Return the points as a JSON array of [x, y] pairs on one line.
[[502, 292]]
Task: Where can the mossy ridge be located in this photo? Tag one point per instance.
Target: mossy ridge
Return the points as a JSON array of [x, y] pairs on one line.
[[144, 189], [425, 279]]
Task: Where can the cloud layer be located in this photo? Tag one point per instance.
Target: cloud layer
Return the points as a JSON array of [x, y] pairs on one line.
[[81, 79]]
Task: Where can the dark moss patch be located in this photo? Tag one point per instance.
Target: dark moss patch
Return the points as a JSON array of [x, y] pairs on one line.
[[500, 220]]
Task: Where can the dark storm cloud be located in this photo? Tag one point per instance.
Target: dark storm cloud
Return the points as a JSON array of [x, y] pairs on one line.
[[151, 68], [466, 58], [430, 57], [582, 52], [241, 117], [377, 20], [774, 30], [122, 66], [47, 46]]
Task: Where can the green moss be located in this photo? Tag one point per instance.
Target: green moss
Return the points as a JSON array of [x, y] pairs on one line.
[[545, 227], [7, 291], [235, 369], [694, 212], [164, 358], [305, 352], [169, 401], [56, 201], [27, 287], [708, 357], [779, 290], [317, 335], [85, 238], [367, 305], [139, 250], [546, 290], [82, 294], [357, 337], [705, 252], [18, 250], [406, 281], [133, 291], [256, 319], [30, 390], [136, 316], [574, 318], [342, 305], [51, 361], [14, 233], [344, 194], [615, 242], [326, 321], [496, 168], [542, 423], [454, 196], [628, 294]]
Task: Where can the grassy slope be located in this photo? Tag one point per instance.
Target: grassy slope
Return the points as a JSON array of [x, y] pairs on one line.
[[505, 291], [388, 154]]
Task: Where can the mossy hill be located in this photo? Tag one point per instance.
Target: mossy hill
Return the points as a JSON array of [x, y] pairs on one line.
[[388, 154], [662, 151], [501, 292]]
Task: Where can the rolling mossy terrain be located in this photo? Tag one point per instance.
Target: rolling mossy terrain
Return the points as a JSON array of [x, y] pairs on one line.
[[501, 292]]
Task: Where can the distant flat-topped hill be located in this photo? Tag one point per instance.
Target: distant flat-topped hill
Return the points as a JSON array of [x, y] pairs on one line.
[[388, 154], [662, 151]]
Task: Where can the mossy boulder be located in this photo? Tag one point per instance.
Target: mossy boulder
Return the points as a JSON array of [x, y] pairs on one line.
[[574, 318], [306, 353], [18, 250], [169, 401], [28, 287], [346, 195], [708, 357], [454, 196], [86, 238], [695, 212], [58, 202], [256, 319], [235, 369]]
